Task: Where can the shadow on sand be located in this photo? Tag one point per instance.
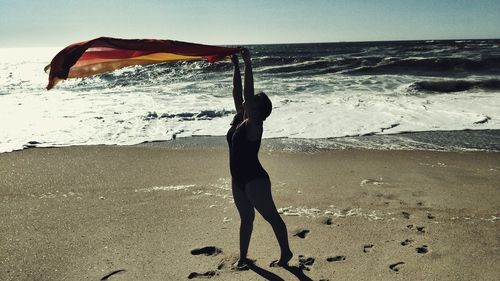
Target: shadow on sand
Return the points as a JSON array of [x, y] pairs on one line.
[[295, 270]]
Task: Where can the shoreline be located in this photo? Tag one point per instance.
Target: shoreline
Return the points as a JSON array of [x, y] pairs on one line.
[[446, 141], [137, 212]]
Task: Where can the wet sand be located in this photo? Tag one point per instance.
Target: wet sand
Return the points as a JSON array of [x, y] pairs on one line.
[[149, 212]]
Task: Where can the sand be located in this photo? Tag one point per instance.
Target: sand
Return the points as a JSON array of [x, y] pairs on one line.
[[138, 213]]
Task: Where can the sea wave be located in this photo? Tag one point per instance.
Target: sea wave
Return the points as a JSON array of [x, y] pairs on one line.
[[297, 67], [451, 86], [189, 116], [432, 66]]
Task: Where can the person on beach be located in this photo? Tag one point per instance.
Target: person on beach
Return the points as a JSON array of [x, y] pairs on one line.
[[251, 185]]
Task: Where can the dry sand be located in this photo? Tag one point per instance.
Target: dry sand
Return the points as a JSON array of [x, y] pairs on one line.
[[137, 212]]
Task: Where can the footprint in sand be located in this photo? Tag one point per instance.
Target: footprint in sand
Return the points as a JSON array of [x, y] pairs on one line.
[[302, 233], [422, 250], [367, 248], [396, 266], [406, 242], [207, 251], [421, 229], [208, 274], [405, 215], [303, 260], [327, 221], [336, 258]]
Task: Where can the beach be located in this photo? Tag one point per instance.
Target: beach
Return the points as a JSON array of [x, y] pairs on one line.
[[381, 139], [148, 212]]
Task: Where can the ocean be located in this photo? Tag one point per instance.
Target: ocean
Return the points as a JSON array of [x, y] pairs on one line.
[[432, 95]]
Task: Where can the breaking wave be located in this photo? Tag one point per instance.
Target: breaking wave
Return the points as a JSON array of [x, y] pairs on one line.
[[451, 86], [432, 66]]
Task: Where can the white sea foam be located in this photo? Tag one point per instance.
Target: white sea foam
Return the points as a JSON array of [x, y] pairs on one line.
[[371, 215], [165, 188], [96, 111]]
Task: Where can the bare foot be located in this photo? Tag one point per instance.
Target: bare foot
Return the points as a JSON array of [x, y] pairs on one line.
[[285, 258], [242, 264]]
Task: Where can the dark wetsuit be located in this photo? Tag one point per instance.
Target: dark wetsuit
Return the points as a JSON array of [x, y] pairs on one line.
[[243, 160]]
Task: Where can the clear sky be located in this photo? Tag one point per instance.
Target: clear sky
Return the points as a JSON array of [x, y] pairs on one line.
[[30, 23]]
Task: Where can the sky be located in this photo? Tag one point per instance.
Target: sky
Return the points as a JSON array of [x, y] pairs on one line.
[[37, 23]]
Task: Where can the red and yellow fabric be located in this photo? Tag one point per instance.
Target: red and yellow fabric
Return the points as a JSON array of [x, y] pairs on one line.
[[106, 54]]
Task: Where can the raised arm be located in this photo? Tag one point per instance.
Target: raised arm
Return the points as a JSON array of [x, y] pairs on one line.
[[248, 92], [237, 89]]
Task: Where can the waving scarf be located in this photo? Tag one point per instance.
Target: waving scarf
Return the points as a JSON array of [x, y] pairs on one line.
[[106, 54]]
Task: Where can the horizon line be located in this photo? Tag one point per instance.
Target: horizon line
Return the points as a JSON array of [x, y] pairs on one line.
[[280, 43]]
